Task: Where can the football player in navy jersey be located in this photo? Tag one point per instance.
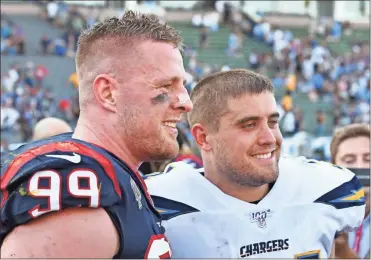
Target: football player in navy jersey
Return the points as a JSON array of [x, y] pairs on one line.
[[79, 195]]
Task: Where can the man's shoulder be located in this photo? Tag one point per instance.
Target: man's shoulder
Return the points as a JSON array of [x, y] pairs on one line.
[[322, 182], [175, 173], [173, 191], [61, 154], [311, 169], [55, 174]]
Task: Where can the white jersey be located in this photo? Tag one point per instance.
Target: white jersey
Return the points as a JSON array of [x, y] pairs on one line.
[[299, 217]]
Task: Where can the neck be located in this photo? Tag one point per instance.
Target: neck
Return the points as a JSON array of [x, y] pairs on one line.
[[107, 139], [241, 192]]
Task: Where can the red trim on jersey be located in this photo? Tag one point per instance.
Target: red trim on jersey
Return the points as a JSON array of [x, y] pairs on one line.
[[357, 240], [4, 198], [140, 178], [165, 255], [27, 156]]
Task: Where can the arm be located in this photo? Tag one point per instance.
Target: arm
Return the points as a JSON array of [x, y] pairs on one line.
[[342, 249], [332, 254], [71, 233], [346, 253]]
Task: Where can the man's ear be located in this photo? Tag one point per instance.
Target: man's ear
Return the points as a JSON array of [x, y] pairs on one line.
[[200, 134], [104, 87]]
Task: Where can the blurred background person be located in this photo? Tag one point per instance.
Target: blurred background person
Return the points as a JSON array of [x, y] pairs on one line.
[[350, 148], [49, 127], [45, 128]]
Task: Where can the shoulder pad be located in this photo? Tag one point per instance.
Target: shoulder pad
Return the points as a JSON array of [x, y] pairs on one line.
[[53, 176], [179, 166], [151, 175], [174, 174], [323, 182]]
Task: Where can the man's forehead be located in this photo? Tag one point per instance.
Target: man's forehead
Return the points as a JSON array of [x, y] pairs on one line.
[[168, 78], [347, 151], [241, 116], [163, 74], [344, 146], [152, 50], [237, 107]]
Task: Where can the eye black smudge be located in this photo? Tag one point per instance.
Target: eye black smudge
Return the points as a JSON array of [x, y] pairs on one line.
[[160, 99]]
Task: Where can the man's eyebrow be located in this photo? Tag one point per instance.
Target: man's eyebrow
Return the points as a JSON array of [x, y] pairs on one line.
[[348, 154], [252, 118], [160, 81], [273, 115], [246, 119]]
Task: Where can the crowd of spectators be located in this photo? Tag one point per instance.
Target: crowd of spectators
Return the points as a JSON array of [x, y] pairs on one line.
[[12, 37], [304, 65], [25, 99], [297, 66], [71, 20]]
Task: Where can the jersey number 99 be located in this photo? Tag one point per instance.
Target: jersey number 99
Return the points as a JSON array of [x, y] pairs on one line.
[[53, 193]]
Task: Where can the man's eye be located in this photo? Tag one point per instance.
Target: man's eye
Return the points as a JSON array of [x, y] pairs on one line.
[[166, 86], [349, 160], [273, 123], [250, 125]]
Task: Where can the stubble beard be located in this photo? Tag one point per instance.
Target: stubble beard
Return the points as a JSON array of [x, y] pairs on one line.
[[244, 173], [149, 145]]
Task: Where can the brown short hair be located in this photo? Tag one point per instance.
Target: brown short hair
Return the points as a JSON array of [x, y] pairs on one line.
[[344, 133], [211, 94]]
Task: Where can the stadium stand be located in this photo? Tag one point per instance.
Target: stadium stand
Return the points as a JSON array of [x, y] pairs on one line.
[[343, 80]]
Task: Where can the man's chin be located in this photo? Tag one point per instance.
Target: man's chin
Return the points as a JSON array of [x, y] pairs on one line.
[[270, 176], [164, 155]]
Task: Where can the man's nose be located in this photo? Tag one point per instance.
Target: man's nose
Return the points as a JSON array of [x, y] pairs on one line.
[[183, 101]]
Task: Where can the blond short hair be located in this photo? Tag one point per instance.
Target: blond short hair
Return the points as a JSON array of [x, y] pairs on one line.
[[347, 132], [132, 26], [110, 45]]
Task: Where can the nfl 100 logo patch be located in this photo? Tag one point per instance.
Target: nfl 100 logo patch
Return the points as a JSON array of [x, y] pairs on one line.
[[260, 217]]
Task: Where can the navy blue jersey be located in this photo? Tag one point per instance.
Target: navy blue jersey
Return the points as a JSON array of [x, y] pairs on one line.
[[61, 172]]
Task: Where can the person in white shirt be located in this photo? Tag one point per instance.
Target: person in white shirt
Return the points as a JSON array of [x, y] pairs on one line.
[[52, 10], [249, 201], [319, 53], [350, 147], [308, 68], [9, 115], [288, 123]]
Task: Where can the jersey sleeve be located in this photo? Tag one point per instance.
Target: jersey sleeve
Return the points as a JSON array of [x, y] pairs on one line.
[[344, 194], [36, 183], [164, 189]]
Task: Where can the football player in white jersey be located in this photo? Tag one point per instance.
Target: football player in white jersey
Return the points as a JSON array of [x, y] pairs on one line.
[[247, 202]]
